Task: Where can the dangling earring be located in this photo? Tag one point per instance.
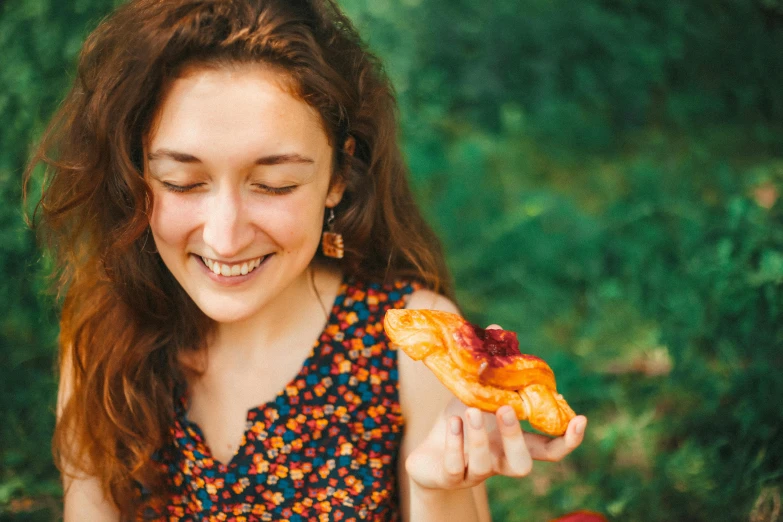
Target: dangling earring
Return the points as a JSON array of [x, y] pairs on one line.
[[331, 241]]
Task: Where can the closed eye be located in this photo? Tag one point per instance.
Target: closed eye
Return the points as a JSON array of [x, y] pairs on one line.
[[275, 191], [179, 188]]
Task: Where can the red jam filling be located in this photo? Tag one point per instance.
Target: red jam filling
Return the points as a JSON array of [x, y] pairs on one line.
[[496, 346], [496, 342]]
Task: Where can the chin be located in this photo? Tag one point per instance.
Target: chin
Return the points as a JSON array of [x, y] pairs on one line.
[[227, 316], [227, 310]]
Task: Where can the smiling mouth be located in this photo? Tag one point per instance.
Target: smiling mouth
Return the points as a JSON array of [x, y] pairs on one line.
[[238, 269]]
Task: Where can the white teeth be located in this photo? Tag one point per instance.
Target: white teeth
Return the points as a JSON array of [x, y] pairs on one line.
[[227, 270]]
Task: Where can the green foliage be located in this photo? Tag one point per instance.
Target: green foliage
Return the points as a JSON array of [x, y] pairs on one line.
[[40, 39], [677, 272], [605, 178]]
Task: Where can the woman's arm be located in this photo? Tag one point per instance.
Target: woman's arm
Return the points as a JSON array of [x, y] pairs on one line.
[[83, 495], [423, 399], [84, 500], [449, 450]]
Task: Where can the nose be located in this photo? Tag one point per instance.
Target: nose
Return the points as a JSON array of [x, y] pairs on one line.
[[227, 227]]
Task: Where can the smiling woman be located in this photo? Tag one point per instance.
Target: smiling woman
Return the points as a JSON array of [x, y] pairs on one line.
[[240, 171], [234, 369]]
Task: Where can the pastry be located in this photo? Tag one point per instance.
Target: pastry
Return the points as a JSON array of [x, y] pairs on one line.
[[483, 368]]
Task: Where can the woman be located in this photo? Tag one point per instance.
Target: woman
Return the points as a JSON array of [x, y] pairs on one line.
[[214, 363]]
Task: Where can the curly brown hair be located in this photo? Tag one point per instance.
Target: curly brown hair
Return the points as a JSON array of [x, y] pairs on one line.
[[125, 320]]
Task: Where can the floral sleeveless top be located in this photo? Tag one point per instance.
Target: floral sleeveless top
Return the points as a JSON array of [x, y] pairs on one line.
[[324, 449]]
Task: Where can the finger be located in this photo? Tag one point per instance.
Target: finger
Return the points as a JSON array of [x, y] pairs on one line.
[[517, 461], [544, 448], [493, 327], [454, 456], [479, 455]]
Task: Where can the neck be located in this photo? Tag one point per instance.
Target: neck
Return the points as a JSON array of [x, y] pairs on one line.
[[301, 307]]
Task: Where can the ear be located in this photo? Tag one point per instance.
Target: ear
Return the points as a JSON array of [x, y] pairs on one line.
[[338, 184], [335, 193], [350, 145]]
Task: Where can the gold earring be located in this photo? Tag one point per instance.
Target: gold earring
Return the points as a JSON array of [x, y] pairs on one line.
[[331, 241]]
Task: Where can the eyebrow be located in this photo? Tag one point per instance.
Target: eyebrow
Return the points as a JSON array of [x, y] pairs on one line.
[[273, 159]]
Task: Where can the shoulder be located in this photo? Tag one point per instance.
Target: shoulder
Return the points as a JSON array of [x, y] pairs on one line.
[[424, 299], [381, 294], [400, 292], [83, 496]]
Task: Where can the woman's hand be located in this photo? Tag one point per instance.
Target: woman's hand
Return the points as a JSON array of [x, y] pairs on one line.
[[466, 446]]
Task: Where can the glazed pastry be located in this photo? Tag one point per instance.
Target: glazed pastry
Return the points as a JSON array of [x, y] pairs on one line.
[[483, 368]]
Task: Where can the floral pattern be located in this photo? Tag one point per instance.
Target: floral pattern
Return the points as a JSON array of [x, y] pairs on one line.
[[324, 449]]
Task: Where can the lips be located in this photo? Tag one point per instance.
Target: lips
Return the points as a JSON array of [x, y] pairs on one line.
[[233, 269]]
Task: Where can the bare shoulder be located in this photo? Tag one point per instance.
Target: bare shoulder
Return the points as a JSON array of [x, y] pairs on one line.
[[84, 498], [425, 299]]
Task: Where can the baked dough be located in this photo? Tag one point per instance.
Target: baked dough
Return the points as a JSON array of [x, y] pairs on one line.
[[483, 368]]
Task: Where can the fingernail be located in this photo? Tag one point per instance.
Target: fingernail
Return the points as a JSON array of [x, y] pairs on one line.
[[580, 427], [455, 425], [509, 418], [475, 418]]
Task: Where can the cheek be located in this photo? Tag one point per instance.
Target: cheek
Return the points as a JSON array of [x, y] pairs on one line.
[[172, 218], [292, 223]]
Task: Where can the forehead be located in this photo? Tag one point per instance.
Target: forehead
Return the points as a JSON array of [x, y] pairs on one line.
[[248, 100]]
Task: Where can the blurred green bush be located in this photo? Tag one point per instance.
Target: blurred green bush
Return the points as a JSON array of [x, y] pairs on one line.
[[605, 175]]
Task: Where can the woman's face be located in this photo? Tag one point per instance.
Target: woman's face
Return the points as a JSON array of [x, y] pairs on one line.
[[240, 170]]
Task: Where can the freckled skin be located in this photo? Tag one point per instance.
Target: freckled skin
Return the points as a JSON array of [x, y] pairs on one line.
[[227, 208]]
